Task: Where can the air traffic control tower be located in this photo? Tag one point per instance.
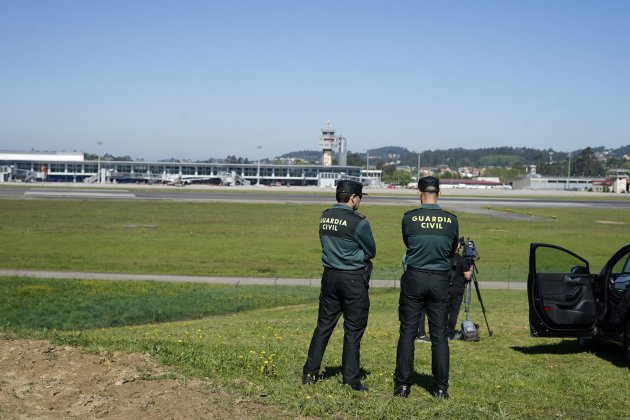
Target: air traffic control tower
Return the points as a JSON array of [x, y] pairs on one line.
[[328, 141]]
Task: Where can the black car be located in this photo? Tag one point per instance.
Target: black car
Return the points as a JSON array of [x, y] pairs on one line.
[[566, 300]]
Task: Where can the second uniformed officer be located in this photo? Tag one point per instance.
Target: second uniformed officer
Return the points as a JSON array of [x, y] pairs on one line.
[[431, 236], [347, 250]]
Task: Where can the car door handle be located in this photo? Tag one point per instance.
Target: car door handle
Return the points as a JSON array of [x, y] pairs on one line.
[[573, 294], [574, 281]]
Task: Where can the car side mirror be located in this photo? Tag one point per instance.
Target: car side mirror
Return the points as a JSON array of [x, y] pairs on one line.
[[579, 269]]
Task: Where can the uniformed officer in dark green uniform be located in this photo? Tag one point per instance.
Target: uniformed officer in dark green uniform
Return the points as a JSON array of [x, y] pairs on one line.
[[431, 236], [347, 250]]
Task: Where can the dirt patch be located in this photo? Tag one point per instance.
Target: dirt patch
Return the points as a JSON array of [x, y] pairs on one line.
[[41, 380]]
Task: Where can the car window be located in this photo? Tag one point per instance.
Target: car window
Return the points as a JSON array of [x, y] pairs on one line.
[[552, 260], [622, 266], [620, 274]]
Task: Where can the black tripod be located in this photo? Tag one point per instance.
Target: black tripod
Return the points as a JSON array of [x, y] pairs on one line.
[[474, 281]]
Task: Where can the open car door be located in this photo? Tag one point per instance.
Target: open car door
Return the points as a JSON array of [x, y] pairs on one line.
[[560, 293]]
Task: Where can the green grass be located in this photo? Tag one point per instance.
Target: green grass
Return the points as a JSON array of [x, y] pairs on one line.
[[87, 304], [259, 354], [249, 342], [265, 240]]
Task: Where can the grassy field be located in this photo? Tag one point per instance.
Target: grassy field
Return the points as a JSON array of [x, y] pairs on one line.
[[42, 304], [252, 340], [259, 353], [265, 240]]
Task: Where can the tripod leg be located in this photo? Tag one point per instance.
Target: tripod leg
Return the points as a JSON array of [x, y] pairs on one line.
[[483, 309]]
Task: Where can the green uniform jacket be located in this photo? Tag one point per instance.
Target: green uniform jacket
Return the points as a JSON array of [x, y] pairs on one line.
[[430, 235], [346, 238]]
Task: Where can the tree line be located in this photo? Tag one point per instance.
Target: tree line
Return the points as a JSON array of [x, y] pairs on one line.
[[505, 163]]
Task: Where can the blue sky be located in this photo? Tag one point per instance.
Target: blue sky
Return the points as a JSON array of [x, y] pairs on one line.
[[198, 79]]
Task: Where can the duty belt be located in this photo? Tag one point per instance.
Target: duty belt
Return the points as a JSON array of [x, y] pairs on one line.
[[359, 271], [423, 270]]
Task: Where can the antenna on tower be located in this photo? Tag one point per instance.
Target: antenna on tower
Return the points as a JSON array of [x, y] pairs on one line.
[[343, 151]]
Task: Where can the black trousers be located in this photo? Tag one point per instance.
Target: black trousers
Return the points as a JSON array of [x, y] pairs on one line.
[[454, 305], [420, 291], [341, 293]]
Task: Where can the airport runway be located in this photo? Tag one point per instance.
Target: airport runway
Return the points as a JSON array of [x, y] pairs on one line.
[[472, 201]]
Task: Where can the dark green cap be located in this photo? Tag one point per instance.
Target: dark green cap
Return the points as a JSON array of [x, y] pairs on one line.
[[350, 187], [429, 184]]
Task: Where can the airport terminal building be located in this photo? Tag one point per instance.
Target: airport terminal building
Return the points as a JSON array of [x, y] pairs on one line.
[[616, 181], [72, 167]]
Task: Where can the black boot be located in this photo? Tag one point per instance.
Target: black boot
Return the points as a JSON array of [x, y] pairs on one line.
[[402, 391], [309, 378], [441, 394]]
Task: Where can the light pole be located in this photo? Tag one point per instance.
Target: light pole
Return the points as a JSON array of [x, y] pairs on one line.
[[258, 171], [99, 144], [569, 172]]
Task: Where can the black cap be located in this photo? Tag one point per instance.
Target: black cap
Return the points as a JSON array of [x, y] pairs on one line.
[[429, 184], [350, 187]]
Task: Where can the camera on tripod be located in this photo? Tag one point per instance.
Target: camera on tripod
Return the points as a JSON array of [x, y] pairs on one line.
[[469, 253], [469, 250]]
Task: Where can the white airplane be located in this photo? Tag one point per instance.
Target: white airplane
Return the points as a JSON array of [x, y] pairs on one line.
[[183, 180]]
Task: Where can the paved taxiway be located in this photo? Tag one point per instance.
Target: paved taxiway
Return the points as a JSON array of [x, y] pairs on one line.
[[472, 201]]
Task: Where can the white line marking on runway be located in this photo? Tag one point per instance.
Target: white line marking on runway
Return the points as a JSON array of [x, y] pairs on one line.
[[84, 194]]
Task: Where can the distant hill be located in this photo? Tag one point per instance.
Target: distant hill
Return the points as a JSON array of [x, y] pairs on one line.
[[308, 155], [388, 152], [458, 157], [624, 150], [491, 156]]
